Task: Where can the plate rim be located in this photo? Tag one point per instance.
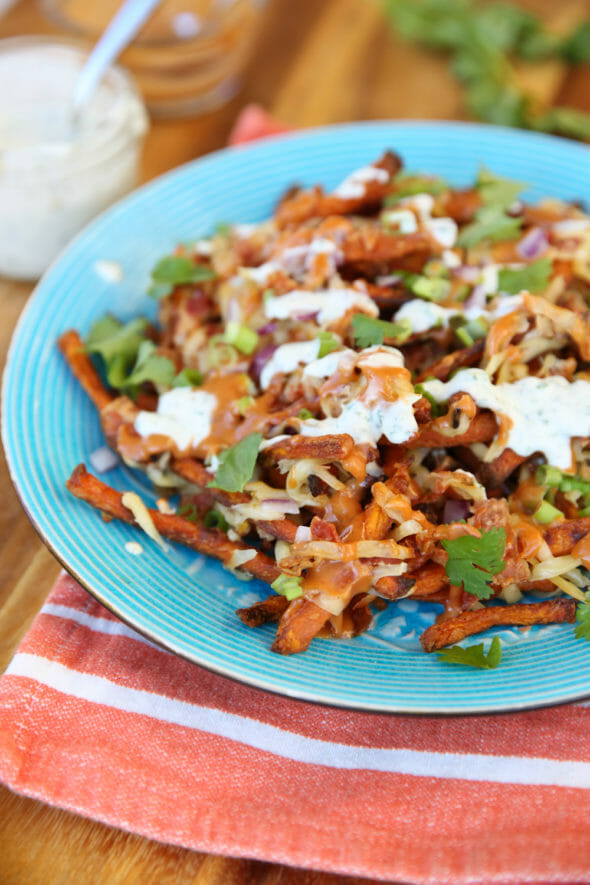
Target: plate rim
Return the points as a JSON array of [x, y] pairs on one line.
[[168, 645]]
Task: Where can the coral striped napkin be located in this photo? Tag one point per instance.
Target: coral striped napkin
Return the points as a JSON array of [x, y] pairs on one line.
[[96, 719]]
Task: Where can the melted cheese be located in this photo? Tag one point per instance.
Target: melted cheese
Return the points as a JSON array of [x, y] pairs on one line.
[[328, 304], [183, 414], [543, 413]]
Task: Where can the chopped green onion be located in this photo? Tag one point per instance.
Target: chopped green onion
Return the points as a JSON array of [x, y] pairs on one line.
[[574, 484], [243, 404], [435, 289], [436, 409], [328, 343], [546, 513], [245, 339], [288, 586], [547, 475], [304, 414], [216, 520], [464, 336], [268, 294], [477, 328]]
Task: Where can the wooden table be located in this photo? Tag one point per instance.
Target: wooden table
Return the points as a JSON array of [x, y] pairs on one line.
[[316, 62]]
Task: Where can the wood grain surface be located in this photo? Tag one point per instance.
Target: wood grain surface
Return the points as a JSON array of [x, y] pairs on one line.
[[315, 62]]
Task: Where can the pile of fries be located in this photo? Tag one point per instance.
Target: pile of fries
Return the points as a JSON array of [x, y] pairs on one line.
[[345, 401]]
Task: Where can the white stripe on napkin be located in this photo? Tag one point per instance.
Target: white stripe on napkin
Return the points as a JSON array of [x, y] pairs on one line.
[[98, 625], [270, 739]]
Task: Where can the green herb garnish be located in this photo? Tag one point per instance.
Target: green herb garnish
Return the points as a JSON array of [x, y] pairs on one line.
[[491, 223], [474, 655], [236, 464], [473, 562], [495, 190], [215, 520], [534, 277], [118, 345], [151, 366], [546, 513], [176, 270], [304, 415], [328, 343], [188, 378], [582, 630], [287, 586], [369, 331], [242, 338], [482, 39]]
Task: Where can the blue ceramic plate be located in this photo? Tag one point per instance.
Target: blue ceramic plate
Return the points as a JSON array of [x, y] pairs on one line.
[[184, 601]]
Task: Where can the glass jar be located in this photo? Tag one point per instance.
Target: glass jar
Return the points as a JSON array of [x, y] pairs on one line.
[[57, 169], [188, 57]]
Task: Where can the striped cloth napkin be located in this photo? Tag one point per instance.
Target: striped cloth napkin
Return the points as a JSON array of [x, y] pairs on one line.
[[96, 719]]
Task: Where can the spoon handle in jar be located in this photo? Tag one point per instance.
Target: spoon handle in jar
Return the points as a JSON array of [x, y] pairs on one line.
[[119, 32]]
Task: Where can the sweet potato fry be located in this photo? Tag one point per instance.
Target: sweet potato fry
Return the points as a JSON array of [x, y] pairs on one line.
[[450, 362], [430, 579], [300, 623], [211, 542], [562, 536], [482, 428], [314, 203], [552, 611], [267, 611], [81, 366], [282, 529], [336, 447]]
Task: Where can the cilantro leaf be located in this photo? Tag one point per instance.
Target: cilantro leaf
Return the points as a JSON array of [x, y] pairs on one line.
[[328, 343], [582, 630], [236, 464], [117, 344], [474, 655], [534, 277], [473, 561], [496, 190], [491, 223], [288, 586], [151, 366], [408, 185], [174, 270], [369, 331], [188, 378]]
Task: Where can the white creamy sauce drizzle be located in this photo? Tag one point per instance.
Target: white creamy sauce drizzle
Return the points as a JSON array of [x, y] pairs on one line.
[[367, 419], [403, 219], [183, 414], [571, 226], [444, 230], [296, 260], [287, 358], [545, 412], [353, 186], [424, 315], [329, 304], [327, 365]]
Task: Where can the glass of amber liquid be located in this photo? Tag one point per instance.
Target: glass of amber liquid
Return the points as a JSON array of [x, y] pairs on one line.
[[188, 57]]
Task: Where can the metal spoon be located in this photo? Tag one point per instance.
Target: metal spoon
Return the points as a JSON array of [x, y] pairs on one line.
[[118, 34]]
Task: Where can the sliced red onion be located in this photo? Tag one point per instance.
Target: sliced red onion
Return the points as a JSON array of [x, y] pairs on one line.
[[455, 511], [389, 279], [477, 299], [533, 244], [260, 360], [103, 459], [286, 505], [268, 329], [467, 273], [306, 317]]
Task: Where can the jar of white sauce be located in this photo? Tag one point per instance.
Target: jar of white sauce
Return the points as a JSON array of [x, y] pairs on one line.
[[58, 169]]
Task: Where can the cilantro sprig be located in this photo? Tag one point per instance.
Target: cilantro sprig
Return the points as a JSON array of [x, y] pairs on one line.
[[474, 655], [534, 277], [176, 270], [473, 562], [328, 343], [236, 464], [482, 39], [491, 223], [582, 630], [369, 331]]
